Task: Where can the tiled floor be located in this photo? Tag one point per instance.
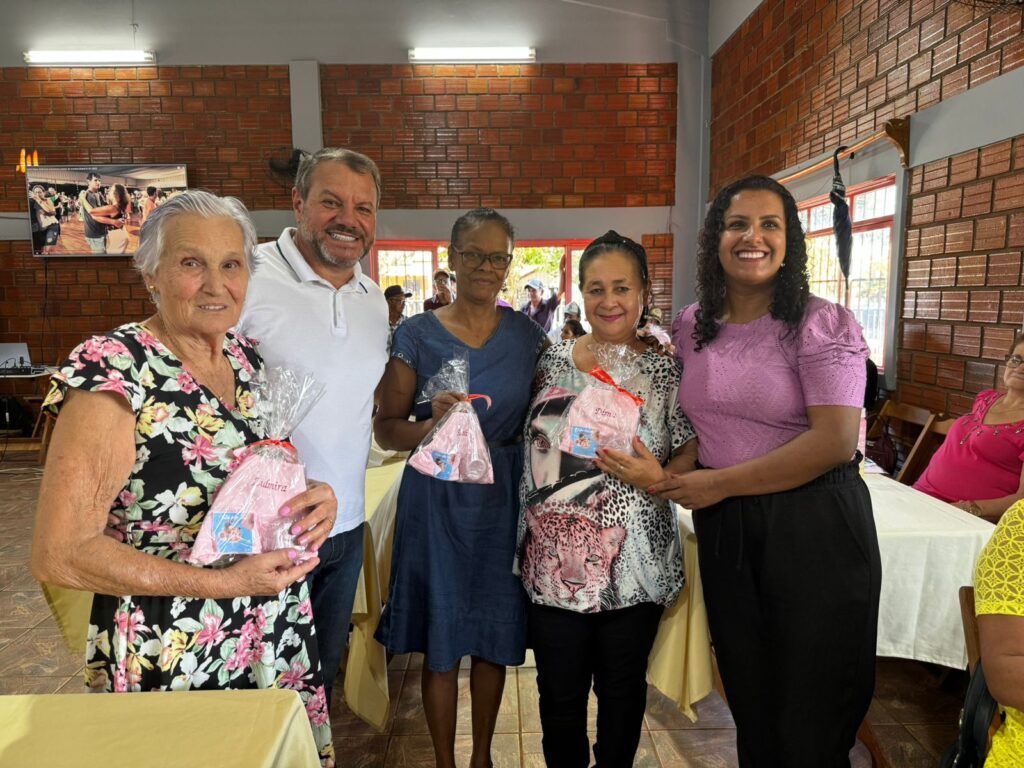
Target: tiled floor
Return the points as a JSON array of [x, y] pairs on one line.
[[913, 714]]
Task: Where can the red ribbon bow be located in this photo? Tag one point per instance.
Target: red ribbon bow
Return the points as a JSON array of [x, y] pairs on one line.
[[485, 398], [278, 443], [603, 376]]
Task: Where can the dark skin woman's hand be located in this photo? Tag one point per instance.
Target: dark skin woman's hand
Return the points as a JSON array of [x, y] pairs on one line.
[[444, 402]]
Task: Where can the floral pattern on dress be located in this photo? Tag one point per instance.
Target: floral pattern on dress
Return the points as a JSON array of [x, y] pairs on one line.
[[186, 443]]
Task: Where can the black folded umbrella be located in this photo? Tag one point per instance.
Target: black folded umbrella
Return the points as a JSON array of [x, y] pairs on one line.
[[842, 225]]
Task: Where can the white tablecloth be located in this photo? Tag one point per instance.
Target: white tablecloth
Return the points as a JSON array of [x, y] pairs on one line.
[[929, 550]]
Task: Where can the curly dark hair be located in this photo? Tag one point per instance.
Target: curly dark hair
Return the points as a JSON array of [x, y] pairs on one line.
[[792, 285]]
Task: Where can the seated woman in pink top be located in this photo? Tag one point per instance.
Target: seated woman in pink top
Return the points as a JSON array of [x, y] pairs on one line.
[[980, 466], [773, 382]]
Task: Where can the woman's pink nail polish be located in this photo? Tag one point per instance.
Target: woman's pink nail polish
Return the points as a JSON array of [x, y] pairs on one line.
[[285, 511], [296, 529]]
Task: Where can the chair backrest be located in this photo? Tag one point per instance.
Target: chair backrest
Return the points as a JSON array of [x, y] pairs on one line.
[[970, 623], [895, 413], [927, 443]]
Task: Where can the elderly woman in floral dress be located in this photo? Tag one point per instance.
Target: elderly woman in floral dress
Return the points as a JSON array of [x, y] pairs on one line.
[[152, 419]]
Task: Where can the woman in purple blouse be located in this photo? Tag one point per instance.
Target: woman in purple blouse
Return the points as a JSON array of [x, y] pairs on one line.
[[773, 381]]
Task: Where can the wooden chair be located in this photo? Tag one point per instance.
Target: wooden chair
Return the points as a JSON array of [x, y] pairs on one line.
[[903, 423], [927, 443], [970, 623], [972, 640]]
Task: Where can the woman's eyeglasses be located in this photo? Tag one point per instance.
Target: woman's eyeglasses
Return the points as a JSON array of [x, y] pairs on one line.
[[474, 259], [1013, 361]]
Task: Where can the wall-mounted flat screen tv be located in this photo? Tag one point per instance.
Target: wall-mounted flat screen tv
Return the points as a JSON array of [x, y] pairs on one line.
[[95, 210]]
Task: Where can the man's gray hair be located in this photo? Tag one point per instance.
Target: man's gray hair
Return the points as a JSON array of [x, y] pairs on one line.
[[353, 160], [197, 202]]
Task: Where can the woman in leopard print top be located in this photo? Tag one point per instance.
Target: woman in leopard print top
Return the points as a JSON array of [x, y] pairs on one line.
[[598, 554]]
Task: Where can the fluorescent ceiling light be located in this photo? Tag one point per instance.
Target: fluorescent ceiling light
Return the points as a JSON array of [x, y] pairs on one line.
[[89, 57], [477, 53]]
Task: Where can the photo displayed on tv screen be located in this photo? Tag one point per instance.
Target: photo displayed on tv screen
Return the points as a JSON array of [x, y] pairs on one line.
[[95, 210]]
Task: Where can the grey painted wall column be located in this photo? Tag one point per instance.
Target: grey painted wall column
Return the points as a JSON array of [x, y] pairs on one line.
[[688, 35], [307, 120], [692, 171]]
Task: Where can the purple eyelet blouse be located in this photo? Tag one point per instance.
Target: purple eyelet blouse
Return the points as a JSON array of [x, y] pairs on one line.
[[747, 392]]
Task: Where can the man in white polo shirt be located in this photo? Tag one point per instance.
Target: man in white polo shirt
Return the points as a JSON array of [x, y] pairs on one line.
[[311, 308]]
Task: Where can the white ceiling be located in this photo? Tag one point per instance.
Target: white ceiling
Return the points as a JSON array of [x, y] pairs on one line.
[[357, 31]]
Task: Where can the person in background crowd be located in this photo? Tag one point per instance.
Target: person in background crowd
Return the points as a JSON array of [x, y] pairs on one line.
[[980, 465], [312, 309], [599, 555], [539, 309], [395, 296], [773, 381], [571, 312], [150, 418], [442, 292], [453, 593], [999, 604], [149, 203], [45, 226], [573, 329], [96, 226], [118, 212], [57, 203]]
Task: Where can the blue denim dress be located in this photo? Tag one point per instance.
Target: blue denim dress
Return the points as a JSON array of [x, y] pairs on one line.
[[452, 590]]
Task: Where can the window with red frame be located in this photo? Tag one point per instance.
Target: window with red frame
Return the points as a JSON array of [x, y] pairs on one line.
[[872, 206], [412, 264]]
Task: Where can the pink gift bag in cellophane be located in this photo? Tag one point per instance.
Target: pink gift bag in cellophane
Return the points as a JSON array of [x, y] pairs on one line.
[[601, 417], [455, 450], [244, 518]]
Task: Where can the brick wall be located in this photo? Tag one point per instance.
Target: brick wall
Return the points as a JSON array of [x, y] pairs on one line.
[[510, 136], [446, 137], [963, 299], [223, 122], [659, 263], [800, 77]]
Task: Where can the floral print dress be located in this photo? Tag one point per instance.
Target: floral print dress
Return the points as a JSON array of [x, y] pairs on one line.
[[186, 443]]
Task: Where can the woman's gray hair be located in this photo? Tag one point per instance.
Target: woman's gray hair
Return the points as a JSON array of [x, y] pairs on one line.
[[197, 202]]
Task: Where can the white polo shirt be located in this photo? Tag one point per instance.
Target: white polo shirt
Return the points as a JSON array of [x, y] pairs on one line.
[[341, 337]]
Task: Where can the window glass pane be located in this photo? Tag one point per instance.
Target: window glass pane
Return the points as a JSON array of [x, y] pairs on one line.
[[869, 284], [821, 217], [823, 267], [877, 202], [869, 276], [805, 218], [411, 269]]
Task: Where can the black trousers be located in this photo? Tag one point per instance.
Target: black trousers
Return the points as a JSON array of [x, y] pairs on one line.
[[791, 583], [610, 648]]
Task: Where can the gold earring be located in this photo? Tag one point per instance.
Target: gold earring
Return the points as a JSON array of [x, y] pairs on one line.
[[151, 288]]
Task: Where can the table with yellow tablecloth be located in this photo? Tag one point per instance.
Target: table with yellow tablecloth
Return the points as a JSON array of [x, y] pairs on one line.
[[257, 729]]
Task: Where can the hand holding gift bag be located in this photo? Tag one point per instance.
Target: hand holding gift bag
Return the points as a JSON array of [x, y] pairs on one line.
[[455, 449], [604, 414], [244, 518]]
